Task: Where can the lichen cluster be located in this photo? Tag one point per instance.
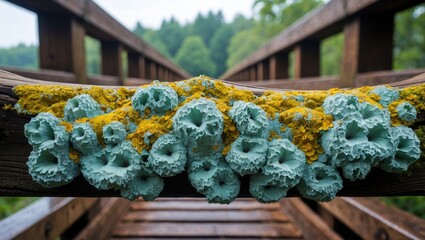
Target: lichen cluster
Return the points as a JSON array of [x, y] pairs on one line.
[[130, 139]]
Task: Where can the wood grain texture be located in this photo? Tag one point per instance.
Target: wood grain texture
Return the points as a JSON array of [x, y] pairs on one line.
[[307, 59], [372, 219], [47, 218], [15, 180], [311, 225], [101, 226]]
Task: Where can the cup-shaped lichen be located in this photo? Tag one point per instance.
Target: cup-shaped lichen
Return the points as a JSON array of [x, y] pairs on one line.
[[199, 124], [157, 98], [406, 151], [201, 172], [372, 114], [249, 118], [266, 189], [406, 111], [111, 168], [247, 155], [168, 156], [340, 105], [285, 163], [225, 186], [114, 133], [386, 94], [84, 139], [81, 106], [51, 166], [320, 182], [146, 184], [45, 130]]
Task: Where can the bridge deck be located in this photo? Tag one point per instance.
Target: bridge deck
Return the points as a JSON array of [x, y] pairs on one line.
[[194, 218]]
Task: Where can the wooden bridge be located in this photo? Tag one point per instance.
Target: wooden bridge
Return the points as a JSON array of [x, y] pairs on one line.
[[180, 213]]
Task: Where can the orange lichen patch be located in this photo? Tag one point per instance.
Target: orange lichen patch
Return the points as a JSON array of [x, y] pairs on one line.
[[7, 107], [41, 98], [68, 126], [75, 157], [148, 131], [415, 95], [306, 125]]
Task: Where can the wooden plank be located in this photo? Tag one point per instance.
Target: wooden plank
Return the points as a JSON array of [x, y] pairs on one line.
[[310, 224], [317, 83], [43, 74], [385, 77], [112, 60], [101, 226], [274, 230], [201, 205], [205, 216], [307, 59], [45, 219], [62, 45], [100, 25], [279, 65], [372, 219]]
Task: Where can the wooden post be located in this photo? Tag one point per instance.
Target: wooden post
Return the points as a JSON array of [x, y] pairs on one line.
[[252, 73], [62, 45], [136, 66], [307, 59], [368, 46], [160, 73], [279, 66], [112, 60], [153, 71], [263, 70]]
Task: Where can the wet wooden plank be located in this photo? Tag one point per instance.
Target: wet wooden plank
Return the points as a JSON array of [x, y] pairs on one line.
[[201, 205], [45, 219], [205, 216], [372, 219], [311, 225], [281, 230]]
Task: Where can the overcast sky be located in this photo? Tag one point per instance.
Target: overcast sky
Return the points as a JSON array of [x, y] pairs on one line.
[[18, 25]]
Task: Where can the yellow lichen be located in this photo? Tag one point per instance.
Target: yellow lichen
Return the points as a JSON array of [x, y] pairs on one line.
[[74, 156], [301, 111]]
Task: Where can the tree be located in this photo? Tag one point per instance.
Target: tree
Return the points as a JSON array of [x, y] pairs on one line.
[[152, 37], [276, 15], [207, 26], [409, 36], [218, 47], [20, 56], [92, 55], [194, 57], [242, 45], [139, 30], [172, 35]]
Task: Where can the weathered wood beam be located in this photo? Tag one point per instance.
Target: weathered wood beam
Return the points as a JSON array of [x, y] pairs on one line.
[[279, 65], [112, 60], [15, 180], [307, 59], [47, 218], [372, 219]]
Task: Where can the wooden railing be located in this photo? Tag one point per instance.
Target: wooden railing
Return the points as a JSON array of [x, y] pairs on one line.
[[368, 27], [63, 26]]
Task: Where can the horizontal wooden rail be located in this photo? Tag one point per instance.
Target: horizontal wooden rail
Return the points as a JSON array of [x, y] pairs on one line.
[[372, 219], [63, 26], [323, 83], [368, 28], [15, 180], [47, 218]]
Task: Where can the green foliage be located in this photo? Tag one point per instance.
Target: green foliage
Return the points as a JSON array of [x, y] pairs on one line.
[[92, 55], [276, 15], [413, 205], [194, 56], [331, 55], [206, 26], [172, 35], [19, 56], [409, 38], [242, 45], [218, 47], [154, 39], [10, 205]]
